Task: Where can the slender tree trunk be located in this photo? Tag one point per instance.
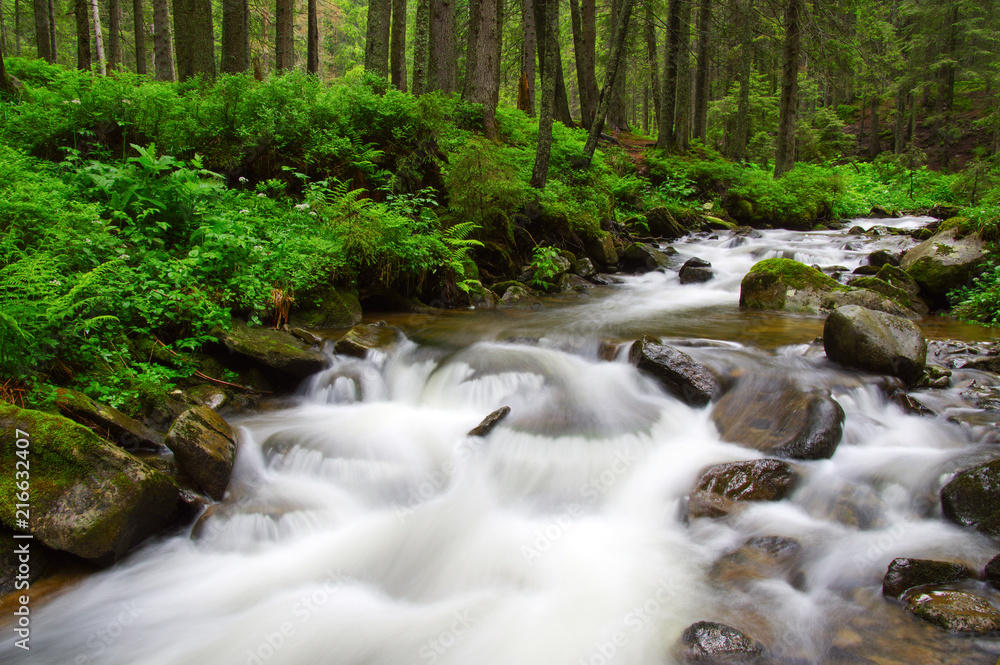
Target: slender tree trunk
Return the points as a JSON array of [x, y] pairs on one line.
[[312, 37], [115, 56], [420, 46], [549, 71], [377, 40], [526, 101], [899, 127], [235, 37], [163, 57], [17, 28], [683, 110], [397, 47], [53, 52], [6, 84], [874, 143], [617, 113], [483, 78], [561, 108], [654, 68], [586, 101], [442, 57], [784, 154], [139, 22], [82, 9], [665, 139], [95, 13], [4, 40], [471, 38], [588, 27], [614, 70], [701, 90], [284, 35], [42, 41]]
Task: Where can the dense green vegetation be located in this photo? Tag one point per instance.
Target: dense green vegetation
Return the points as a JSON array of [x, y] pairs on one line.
[[140, 212]]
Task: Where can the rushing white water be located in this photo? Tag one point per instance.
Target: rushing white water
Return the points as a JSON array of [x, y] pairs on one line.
[[363, 526]]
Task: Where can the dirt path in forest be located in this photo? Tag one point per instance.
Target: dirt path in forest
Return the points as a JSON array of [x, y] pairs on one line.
[[636, 147]]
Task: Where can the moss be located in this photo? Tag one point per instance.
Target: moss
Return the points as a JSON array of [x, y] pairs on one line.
[[877, 285], [797, 275]]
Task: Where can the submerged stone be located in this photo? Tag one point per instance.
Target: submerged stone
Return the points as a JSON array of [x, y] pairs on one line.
[[955, 611]]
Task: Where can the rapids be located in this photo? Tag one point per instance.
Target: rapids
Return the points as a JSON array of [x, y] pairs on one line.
[[363, 527]]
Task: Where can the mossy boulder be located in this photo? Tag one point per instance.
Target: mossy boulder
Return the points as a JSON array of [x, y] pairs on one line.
[[107, 421], [946, 261], [204, 446], [601, 250], [519, 297], [88, 496], [955, 611], [972, 497], [641, 258], [662, 224], [361, 339], [897, 295], [785, 284], [868, 299], [881, 257], [273, 349], [874, 341], [328, 308], [904, 574]]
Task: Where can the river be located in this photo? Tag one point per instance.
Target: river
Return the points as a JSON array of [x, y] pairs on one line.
[[363, 527]]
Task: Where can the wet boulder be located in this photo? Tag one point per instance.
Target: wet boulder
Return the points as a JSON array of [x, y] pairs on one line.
[[679, 374], [88, 496], [273, 349], [881, 257], [751, 480], [972, 497], [662, 224], [904, 574], [944, 262], [868, 299], [695, 271], [519, 297], [489, 422], [779, 419], [585, 268], [366, 337], [602, 251], [761, 557], [717, 643], [107, 421], [328, 307], [204, 446], [570, 283], [992, 572], [874, 341], [984, 364], [898, 296], [955, 611], [640, 258], [784, 284]]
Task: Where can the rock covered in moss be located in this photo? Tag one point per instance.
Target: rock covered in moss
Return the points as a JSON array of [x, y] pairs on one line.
[[641, 258], [904, 574], [680, 374], [273, 349], [205, 447], [662, 224], [874, 341], [868, 299], [107, 421], [784, 284], [329, 307], [955, 611], [519, 297], [881, 257], [972, 497], [361, 339], [944, 262], [873, 283], [602, 251], [88, 496]]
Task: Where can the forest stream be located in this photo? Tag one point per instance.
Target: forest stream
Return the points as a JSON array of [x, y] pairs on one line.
[[363, 526]]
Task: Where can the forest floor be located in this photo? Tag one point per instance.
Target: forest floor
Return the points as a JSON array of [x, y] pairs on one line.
[[636, 147]]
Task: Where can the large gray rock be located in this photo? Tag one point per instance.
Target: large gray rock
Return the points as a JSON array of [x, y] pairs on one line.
[[864, 339], [865, 298], [972, 497], [905, 574], [695, 271], [106, 421], [519, 297], [944, 262], [640, 257], [274, 349], [779, 419], [361, 339], [717, 643], [205, 447], [602, 250], [88, 496], [956, 611], [680, 374]]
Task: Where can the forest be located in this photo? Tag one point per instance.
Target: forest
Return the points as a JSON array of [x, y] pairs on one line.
[[168, 168]]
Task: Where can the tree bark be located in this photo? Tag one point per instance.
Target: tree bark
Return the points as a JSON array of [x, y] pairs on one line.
[[526, 101], [194, 39], [163, 57], [235, 56], [682, 112], [312, 37], [115, 56], [139, 22], [442, 56], [82, 9], [42, 42], [377, 37], [6, 84], [665, 139], [561, 103], [614, 70], [17, 28], [654, 68], [550, 21], [483, 78], [397, 46], [701, 90], [95, 14], [53, 52], [284, 35], [784, 154], [617, 113], [873, 143], [420, 46], [584, 66]]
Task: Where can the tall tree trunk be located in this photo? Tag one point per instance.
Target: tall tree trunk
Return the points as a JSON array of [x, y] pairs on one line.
[[42, 41], [471, 38], [115, 56], [377, 39], [683, 110], [312, 37], [82, 10], [284, 35], [586, 101], [163, 57], [588, 26], [397, 46], [420, 46], [235, 56], [6, 84], [701, 90], [549, 21], [561, 103], [665, 139], [874, 143], [617, 112], [654, 68], [194, 39], [139, 22], [614, 70], [95, 13], [483, 78], [53, 52], [784, 154], [17, 28], [442, 57], [526, 101], [899, 128]]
